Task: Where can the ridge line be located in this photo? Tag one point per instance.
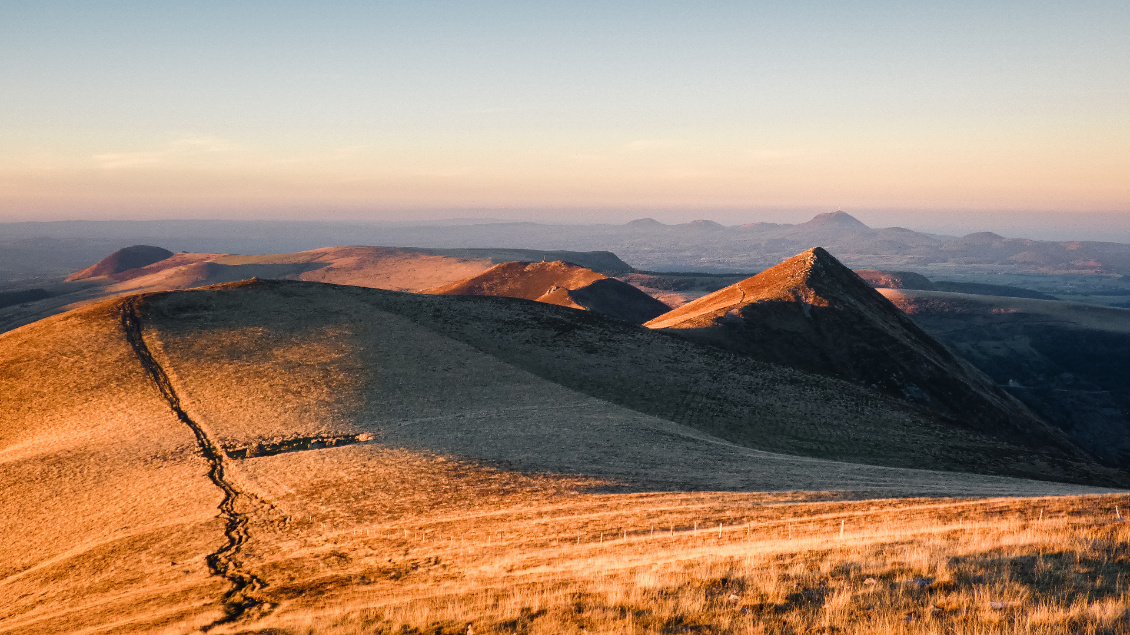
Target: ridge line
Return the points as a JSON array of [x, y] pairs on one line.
[[222, 562]]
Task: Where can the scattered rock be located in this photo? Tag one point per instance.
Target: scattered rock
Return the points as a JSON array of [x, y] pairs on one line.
[[920, 583], [1000, 606]]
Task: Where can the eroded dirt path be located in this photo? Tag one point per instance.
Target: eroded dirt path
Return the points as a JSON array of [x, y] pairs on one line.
[[224, 562]]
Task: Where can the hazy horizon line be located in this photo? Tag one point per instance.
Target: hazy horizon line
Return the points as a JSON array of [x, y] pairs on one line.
[[1100, 226]]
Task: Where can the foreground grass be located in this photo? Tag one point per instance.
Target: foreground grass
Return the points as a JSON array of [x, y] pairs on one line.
[[595, 564]]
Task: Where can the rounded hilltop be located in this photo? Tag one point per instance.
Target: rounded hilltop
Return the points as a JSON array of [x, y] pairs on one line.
[[561, 283], [121, 261]]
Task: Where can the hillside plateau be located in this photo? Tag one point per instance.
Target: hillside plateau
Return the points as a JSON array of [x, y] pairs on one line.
[[146, 269]]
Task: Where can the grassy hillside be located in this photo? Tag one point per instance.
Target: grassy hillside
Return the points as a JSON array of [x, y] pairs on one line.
[[149, 269], [307, 457], [102, 489], [406, 341]]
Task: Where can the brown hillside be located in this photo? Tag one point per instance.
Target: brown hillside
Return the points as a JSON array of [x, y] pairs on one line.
[[401, 269], [261, 456], [813, 313], [380, 267], [563, 284], [122, 260]]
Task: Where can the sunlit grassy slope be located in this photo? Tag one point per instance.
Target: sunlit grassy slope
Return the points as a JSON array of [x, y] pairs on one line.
[[716, 563], [101, 488], [502, 465]]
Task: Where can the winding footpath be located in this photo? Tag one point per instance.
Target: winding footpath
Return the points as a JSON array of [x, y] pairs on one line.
[[224, 562]]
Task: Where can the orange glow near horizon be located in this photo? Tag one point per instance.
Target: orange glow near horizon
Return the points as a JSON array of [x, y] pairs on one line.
[[192, 177], [386, 110]]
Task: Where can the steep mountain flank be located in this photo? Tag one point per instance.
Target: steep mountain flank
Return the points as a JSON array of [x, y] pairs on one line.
[[121, 261], [563, 284], [813, 313]]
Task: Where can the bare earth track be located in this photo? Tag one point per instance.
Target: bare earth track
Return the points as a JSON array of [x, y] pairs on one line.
[[240, 599], [399, 463]]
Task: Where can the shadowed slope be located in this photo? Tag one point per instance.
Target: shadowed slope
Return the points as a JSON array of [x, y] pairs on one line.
[[813, 313], [563, 284], [765, 406], [1069, 362], [126, 469], [121, 261]]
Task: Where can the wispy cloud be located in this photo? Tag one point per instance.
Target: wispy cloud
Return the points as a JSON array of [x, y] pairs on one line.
[[177, 151]]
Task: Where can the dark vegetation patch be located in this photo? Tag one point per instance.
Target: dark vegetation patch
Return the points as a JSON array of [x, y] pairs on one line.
[[12, 298], [298, 444]]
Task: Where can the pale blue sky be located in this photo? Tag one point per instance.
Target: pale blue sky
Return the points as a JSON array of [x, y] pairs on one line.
[[384, 110]]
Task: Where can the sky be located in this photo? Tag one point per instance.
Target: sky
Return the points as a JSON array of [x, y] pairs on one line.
[[579, 111]]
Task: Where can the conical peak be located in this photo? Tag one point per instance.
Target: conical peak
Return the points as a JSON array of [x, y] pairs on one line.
[[806, 276], [838, 219], [810, 277]]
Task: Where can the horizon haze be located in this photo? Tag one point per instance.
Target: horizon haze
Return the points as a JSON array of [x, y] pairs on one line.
[[951, 118]]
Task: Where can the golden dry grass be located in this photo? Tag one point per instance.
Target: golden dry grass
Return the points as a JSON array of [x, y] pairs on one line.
[[591, 563], [530, 509]]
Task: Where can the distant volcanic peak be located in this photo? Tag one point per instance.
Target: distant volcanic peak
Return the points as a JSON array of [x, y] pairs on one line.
[[983, 236], [702, 224], [977, 239], [644, 223], [123, 260], [838, 220]]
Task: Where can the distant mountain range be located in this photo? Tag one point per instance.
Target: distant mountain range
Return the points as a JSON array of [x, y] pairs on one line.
[[30, 250], [706, 245]]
